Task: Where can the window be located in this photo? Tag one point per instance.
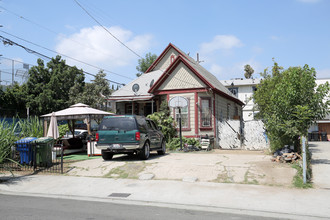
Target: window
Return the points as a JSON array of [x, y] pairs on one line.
[[236, 110], [228, 111], [206, 112], [234, 90], [128, 108], [184, 117]]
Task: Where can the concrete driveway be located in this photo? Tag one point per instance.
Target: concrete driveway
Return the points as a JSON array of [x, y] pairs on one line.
[[320, 164], [245, 167]]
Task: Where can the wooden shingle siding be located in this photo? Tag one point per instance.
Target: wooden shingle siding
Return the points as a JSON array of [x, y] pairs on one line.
[[181, 78], [166, 61], [221, 107]]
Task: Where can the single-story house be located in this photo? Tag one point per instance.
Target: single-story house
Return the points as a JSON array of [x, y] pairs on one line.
[[174, 73]]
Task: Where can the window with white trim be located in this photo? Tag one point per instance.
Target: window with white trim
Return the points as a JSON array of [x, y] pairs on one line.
[[184, 117], [206, 112]]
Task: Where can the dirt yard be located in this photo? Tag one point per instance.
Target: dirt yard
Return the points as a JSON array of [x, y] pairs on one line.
[[245, 167]]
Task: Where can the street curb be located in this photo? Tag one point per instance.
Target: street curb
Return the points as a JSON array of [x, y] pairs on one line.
[[259, 213]]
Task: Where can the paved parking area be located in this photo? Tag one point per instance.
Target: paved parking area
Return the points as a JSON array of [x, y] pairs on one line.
[[246, 167], [320, 164]]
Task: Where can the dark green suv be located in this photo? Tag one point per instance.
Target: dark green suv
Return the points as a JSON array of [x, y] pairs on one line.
[[129, 134]]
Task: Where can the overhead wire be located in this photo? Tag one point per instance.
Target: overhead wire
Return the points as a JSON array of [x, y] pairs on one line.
[[106, 29], [54, 32], [93, 48], [10, 42], [64, 55]]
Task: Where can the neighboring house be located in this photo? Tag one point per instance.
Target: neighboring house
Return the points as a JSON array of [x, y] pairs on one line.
[[321, 126], [174, 73], [243, 89]]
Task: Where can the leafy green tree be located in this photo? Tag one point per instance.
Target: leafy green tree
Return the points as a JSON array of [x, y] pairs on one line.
[[248, 71], [289, 102], [145, 63], [13, 100], [48, 88], [163, 119], [94, 94]]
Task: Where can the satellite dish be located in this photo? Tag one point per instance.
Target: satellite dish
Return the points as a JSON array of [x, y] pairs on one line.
[[152, 83], [135, 87]]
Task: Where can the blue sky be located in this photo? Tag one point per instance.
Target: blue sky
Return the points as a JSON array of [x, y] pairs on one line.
[[227, 34]]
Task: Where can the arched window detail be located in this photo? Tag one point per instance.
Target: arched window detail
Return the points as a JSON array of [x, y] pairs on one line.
[[172, 58]]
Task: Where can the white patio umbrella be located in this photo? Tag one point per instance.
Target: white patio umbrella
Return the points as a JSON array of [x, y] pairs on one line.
[[53, 129]]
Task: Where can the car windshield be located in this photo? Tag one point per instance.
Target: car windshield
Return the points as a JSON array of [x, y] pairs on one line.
[[118, 123], [75, 132]]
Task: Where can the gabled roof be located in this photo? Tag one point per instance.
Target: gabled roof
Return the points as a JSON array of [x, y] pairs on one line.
[[145, 81], [204, 75]]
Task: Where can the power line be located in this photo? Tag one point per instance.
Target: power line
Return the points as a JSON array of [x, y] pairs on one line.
[[54, 32], [7, 41], [65, 55], [106, 29]]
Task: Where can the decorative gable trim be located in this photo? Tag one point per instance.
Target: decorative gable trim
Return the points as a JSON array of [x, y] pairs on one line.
[[155, 63], [171, 68]]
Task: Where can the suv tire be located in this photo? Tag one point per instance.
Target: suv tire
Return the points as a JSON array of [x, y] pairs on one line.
[[163, 150], [145, 152], [107, 155]]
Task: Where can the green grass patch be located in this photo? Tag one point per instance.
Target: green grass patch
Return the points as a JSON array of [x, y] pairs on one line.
[[247, 178], [79, 156], [298, 180], [127, 171], [224, 177]]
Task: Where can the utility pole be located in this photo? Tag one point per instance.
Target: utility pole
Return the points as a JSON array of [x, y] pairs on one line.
[[12, 72]]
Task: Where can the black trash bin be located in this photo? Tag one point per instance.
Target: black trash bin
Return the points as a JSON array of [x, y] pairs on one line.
[[324, 136], [315, 136]]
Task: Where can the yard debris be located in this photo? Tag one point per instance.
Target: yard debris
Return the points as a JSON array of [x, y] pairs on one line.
[[285, 155]]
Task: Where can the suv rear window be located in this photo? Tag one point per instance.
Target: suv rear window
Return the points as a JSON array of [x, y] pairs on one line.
[[118, 123]]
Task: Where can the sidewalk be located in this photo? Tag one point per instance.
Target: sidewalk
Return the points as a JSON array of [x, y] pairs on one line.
[[246, 199], [321, 164]]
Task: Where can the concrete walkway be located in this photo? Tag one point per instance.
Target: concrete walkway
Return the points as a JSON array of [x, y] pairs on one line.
[[243, 199], [321, 164]]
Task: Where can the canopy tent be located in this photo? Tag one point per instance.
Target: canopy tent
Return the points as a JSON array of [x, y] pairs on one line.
[[78, 111]]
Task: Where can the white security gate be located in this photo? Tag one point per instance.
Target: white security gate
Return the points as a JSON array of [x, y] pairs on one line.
[[255, 137], [229, 136]]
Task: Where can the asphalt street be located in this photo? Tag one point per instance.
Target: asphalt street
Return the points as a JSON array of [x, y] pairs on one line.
[[25, 207]]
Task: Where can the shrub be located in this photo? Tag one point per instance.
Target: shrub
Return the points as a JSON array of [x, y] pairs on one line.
[[165, 121], [7, 138], [174, 144]]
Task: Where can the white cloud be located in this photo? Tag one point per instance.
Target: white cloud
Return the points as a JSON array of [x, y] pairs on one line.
[[273, 37], [216, 69], [236, 70], [221, 42], [95, 46]]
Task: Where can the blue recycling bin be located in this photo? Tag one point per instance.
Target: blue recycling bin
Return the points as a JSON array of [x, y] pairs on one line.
[[25, 149]]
